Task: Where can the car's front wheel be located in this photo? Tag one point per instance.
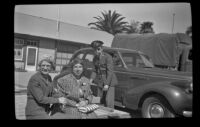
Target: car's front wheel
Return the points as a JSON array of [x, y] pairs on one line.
[[156, 107]]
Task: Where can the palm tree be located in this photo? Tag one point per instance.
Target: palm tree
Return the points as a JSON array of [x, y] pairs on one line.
[[146, 27], [110, 22], [133, 27]]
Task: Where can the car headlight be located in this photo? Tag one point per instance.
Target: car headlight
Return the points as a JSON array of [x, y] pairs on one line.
[[190, 88]]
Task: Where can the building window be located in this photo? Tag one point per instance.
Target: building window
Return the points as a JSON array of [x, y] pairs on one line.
[[18, 49], [18, 52], [31, 43], [62, 58], [19, 41], [25, 42], [64, 54]]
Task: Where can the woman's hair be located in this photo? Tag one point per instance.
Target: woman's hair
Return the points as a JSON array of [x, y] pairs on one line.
[[49, 61], [77, 61]]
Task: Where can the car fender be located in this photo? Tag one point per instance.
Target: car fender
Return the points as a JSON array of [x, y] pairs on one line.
[[175, 96]]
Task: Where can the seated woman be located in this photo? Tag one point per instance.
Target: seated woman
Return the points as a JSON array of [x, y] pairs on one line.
[[39, 94], [76, 88]]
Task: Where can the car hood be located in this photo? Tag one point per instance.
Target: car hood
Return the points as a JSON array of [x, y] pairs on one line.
[[163, 72]]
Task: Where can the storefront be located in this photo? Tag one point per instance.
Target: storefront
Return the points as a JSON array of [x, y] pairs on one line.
[[28, 52]]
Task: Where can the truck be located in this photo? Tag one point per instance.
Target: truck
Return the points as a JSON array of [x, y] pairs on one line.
[[168, 51]]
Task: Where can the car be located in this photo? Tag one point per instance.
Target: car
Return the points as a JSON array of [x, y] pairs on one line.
[[156, 92]]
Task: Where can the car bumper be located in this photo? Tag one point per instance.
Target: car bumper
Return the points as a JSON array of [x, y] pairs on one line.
[[187, 113]]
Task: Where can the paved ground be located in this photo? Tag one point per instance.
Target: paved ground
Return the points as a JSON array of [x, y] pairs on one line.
[[20, 103]]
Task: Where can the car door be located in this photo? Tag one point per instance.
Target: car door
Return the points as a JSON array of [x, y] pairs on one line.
[[122, 76], [129, 78]]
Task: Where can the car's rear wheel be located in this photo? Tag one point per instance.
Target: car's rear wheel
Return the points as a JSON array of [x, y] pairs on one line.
[[156, 107]]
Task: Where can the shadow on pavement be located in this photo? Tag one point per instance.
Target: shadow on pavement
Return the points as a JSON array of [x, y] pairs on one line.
[[133, 113]]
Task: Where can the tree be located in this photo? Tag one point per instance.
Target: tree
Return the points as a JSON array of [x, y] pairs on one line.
[[146, 27], [189, 31], [133, 27], [110, 22]]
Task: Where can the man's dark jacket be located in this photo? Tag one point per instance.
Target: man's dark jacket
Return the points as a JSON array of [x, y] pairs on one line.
[[106, 66]]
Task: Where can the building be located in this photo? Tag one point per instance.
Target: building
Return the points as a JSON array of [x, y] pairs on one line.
[[35, 37]]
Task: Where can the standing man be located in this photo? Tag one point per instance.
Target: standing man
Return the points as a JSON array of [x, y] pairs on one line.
[[103, 74]]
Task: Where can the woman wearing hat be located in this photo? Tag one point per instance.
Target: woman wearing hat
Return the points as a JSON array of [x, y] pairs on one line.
[[76, 88], [103, 74], [39, 94]]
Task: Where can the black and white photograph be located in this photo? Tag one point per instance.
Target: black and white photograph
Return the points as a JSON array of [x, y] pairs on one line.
[[103, 61]]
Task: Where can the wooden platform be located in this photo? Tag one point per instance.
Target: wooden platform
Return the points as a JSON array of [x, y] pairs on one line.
[[102, 112], [105, 112]]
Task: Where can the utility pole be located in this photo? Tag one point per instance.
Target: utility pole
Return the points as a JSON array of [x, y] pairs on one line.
[[173, 22], [58, 22], [58, 34]]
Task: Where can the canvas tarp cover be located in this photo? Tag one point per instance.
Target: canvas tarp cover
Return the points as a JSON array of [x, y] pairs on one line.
[[162, 48]]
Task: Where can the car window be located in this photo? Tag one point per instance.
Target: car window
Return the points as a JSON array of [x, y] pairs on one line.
[[89, 57], [147, 61], [89, 60], [133, 60], [130, 59], [116, 59], [77, 55], [80, 56]]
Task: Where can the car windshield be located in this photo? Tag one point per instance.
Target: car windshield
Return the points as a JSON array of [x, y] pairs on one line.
[[137, 60]]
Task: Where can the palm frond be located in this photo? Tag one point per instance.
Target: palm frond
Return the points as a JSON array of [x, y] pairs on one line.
[[99, 18], [116, 21], [111, 22], [95, 28], [91, 23]]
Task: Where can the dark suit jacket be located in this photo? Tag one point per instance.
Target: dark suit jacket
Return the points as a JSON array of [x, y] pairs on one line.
[[39, 95]]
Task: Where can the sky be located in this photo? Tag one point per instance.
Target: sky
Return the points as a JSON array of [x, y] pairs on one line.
[[161, 14]]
